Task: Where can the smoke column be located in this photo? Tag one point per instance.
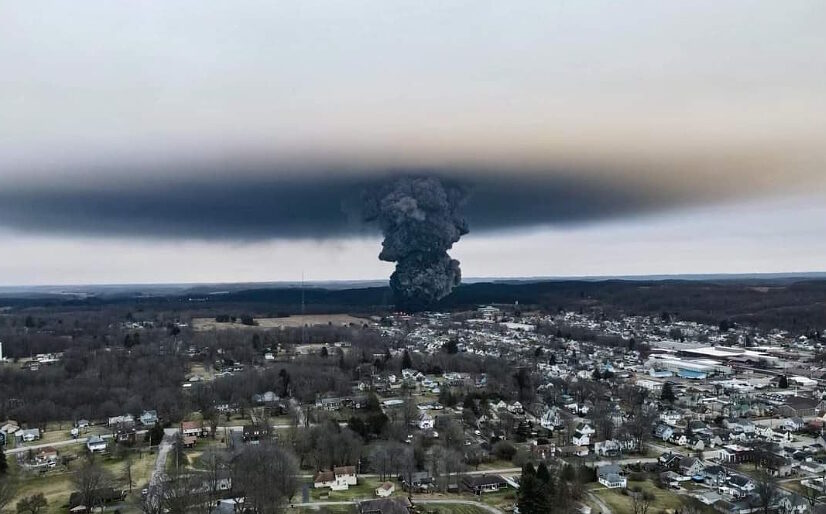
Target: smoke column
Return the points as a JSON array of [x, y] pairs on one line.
[[420, 220]]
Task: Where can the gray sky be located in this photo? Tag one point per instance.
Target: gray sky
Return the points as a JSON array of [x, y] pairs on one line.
[[224, 141]]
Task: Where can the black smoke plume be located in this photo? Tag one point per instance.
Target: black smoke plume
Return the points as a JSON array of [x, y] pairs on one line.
[[420, 220]]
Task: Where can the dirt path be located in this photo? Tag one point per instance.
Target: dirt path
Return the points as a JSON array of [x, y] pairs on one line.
[[601, 504]]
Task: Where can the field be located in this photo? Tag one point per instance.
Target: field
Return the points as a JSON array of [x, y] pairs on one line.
[[619, 503], [206, 324], [57, 484], [447, 508]]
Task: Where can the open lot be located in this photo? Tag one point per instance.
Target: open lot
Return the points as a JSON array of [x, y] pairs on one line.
[[57, 484], [664, 500], [205, 324]]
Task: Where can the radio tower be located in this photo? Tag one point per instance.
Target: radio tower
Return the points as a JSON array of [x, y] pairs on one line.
[[303, 323]]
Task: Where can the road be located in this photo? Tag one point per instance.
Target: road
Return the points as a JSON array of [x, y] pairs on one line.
[[482, 506], [160, 466]]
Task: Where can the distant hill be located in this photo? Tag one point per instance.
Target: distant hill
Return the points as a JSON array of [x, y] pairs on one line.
[[792, 302]]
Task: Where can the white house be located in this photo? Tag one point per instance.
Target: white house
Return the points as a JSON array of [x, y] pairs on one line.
[[580, 439], [346, 474], [28, 435], [96, 444], [425, 421], [551, 419], [792, 424], [385, 490], [340, 479], [611, 477]]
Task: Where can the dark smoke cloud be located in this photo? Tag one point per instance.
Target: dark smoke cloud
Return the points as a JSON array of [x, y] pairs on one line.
[[420, 220], [315, 205]]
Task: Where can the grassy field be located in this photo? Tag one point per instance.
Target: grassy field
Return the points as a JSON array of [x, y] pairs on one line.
[[56, 484], [446, 508], [205, 324], [621, 504]]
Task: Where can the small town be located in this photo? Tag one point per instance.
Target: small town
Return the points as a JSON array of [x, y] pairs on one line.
[[464, 410]]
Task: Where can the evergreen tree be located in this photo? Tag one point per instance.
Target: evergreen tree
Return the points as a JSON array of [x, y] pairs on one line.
[[547, 488], [4, 465], [528, 498], [407, 363], [783, 383], [667, 394]]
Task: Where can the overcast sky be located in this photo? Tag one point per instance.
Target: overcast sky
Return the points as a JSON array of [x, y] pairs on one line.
[[214, 141]]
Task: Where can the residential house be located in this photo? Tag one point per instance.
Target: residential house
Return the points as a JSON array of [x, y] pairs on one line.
[[425, 421], [670, 460], [95, 444], [735, 454], [324, 479], [149, 418], [193, 428], [792, 504], [742, 484], [608, 448], [46, 457], [118, 420], [714, 475], [740, 426], [664, 432], [479, 484], [416, 482], [792, 424], [386, 489], [574, 451], [542, 451], [689, 466], [551, 419], [125, 433], [339, 479], [9, 428], [580, 439], [346, 474], [611, 477], [28, 435], [100, 497], [516, 408]]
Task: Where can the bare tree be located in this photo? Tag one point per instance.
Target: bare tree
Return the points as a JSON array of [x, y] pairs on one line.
[[127, 472], [179, 492], [641, 425], [88, 480], [267, 476], [641, 502], [216, 465], [766, 490]]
